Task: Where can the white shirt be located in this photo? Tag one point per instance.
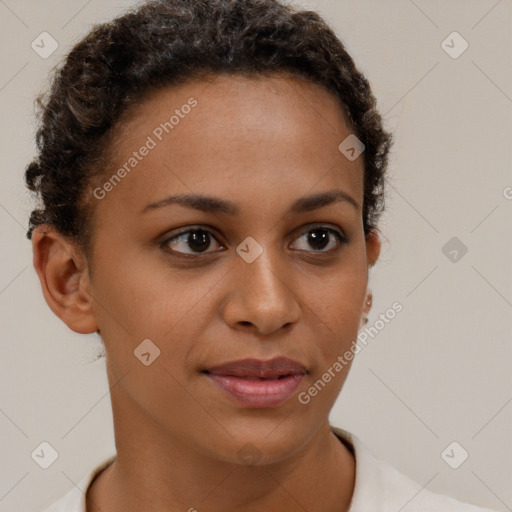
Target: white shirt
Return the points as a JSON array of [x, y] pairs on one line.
[[379, 487]]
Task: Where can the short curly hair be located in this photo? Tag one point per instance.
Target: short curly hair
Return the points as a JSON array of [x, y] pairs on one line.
[[162, 43]]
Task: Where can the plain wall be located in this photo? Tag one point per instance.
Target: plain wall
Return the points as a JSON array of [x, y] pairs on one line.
[[438, 372]]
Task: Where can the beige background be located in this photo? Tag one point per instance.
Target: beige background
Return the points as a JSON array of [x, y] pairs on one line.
[[439, 372]]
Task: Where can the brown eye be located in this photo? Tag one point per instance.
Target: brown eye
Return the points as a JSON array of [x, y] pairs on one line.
[[318, 238], [198, 241]]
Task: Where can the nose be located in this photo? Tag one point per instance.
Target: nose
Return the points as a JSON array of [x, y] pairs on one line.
[[261, 297]]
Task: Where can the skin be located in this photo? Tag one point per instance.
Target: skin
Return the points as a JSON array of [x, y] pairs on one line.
[[263, 143]]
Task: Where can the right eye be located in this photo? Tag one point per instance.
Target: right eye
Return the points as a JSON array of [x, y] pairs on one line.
[[197, 239]]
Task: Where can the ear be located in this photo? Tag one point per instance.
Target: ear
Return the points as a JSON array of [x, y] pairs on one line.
[[63, 273], [373, 245]]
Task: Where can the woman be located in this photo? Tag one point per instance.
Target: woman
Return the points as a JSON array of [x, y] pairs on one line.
[[211, 178]]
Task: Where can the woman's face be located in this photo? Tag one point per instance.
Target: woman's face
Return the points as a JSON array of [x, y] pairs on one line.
[[276, 267]]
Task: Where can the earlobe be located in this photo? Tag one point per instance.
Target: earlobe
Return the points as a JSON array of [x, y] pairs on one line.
[[62, 271], [366, 307]]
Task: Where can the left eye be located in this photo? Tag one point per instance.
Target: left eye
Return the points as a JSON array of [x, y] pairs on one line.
[[320, 237]]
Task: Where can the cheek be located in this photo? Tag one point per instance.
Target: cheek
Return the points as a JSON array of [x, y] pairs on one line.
[[125, 298], [338, 303], [337, 310], [136, 299]]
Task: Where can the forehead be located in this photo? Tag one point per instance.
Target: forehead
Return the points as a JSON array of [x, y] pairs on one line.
[[231, 135]]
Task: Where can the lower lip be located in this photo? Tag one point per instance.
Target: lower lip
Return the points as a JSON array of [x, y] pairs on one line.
[[258, 393]]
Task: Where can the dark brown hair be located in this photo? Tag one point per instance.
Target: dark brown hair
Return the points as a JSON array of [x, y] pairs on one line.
[[166, 42]]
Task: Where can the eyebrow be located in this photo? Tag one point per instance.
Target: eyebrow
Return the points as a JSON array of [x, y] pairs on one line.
[[216, 205]]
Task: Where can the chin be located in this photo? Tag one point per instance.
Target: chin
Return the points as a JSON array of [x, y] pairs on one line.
[[259, 441]]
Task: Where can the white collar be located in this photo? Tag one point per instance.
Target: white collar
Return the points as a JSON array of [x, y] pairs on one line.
[[378, 487]]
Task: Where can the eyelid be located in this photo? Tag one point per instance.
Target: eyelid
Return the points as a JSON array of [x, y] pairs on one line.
[[187, 229], [325, 225], [339, 234]]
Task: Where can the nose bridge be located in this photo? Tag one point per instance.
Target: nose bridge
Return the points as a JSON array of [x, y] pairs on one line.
[[264, 277], [262, 297]]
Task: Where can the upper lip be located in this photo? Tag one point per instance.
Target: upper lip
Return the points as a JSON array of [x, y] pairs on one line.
[[276, 367]]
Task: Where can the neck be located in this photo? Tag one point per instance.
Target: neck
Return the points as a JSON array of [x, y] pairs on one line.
[[154, 471]]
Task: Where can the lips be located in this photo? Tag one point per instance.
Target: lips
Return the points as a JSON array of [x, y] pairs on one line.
[[258, 384], [272, 369]]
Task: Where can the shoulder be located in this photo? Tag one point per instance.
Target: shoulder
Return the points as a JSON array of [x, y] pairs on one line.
[[379, 486], [74, 499]]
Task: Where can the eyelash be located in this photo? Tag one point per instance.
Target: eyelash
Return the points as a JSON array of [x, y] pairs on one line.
[[341, 240]]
